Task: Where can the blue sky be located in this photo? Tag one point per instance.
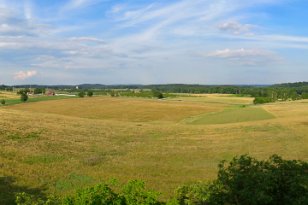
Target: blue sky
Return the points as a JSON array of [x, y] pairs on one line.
[[147, 41]]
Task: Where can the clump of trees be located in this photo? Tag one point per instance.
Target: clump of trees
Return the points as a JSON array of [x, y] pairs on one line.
[[81, 94], [262, 100], [90, 93], [39, 91], [246, 180], [158, 94], [242, 181], [23, 94]]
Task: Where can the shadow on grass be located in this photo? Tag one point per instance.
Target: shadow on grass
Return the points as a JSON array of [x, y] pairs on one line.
[[8, 190]]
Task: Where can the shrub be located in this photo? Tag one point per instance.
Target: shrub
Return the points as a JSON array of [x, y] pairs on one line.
[[262, 100], [97, 195], [246, 180], [157, 94], [305, 95], [81, 94], [89, 93], [23, 97], [2, 102], [193, 194], [134, 193]]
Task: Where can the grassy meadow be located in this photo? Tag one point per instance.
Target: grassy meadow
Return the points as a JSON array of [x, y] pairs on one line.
[[61, 145]]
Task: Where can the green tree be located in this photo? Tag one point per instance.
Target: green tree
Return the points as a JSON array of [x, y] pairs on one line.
[[305, 95], [262, 100], [90, 93], [24, 97], [23, 91], [134, 193], [157, 94], [39, 91], [100, 194], [247, 181], [81, 94], [2, 102]]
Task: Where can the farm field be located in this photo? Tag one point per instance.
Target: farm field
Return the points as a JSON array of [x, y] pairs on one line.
[[60, 145], [8, 95]]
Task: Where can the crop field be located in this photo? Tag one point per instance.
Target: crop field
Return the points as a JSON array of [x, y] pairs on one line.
[[61, 145], [8, 95]]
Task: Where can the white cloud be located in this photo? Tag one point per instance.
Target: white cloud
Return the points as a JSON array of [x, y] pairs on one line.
[[252, 57], [87, 39], [22, 75], [235, 27], [79, 4]]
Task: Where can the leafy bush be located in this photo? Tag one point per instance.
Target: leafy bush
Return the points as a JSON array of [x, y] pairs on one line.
[[27, 199], [24, 97], [98, 195], [305, 95], [157, 94], [135, 193], [90, 93], [2, 102], [262, 100], [275, 181], [247, 181], [197, 193], [81, 94]]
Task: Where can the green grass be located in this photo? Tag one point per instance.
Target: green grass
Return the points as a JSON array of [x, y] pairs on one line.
[[43, 159], [73, 181], [233, 115], [35, 99]]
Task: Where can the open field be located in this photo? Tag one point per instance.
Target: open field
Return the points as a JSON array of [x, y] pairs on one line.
[[60, 145], [13, 99], [8, 95]]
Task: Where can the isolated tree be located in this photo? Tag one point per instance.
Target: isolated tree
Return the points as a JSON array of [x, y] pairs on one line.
[[24, 97], [81, 94], [2, 102], [157, 94], [90, 93]]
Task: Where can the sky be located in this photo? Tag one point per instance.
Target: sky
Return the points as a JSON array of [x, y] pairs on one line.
[[153, 42]]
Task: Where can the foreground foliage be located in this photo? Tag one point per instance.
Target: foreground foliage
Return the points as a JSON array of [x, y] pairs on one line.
[[243, 181]]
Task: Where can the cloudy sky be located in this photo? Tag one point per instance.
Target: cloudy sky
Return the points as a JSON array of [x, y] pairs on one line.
[[148, 41]]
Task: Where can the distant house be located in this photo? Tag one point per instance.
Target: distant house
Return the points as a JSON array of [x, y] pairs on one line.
[[50, 92]]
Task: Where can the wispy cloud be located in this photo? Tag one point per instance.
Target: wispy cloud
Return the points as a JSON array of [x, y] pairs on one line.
[[251, 57], [236, 28], [22, 75], [79, 4]]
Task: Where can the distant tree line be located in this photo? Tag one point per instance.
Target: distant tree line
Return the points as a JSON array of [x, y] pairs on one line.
[[243, 181], [261, 93]]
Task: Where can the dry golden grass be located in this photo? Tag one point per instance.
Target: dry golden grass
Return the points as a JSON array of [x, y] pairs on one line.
[[59, 145], [123, 109], [226, 99], [8, 95]]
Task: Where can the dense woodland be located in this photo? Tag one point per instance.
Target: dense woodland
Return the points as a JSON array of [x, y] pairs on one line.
[[261, 93]]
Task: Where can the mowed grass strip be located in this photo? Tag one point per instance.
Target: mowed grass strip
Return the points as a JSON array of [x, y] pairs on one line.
[[215, 99], [234, 115], [121, 109]]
